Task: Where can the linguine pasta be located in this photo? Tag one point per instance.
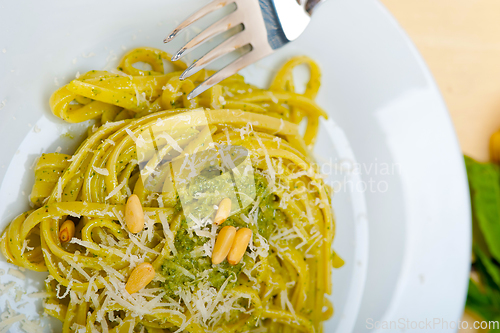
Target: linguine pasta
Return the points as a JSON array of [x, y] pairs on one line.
[[181, 158]]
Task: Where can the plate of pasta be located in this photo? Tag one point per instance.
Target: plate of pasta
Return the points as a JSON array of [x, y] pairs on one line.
[[291, 197]]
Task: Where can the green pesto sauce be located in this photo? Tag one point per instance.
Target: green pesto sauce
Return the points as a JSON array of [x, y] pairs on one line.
[[269, 218], [206, 190]]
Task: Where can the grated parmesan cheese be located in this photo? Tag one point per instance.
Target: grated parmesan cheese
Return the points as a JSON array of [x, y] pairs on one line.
[[116, 189], [112, 124], [5, 324], [69, 212], [171, 141], [141, 97], [86, 244], [169, 235], [39, 295], [109, 141], [101, 171], [31, 326], [16, 273], [131, 135], [285, 301], [59, 190], [6, 287]]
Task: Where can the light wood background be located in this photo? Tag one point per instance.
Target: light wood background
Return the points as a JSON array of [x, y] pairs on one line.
[[460, 41]]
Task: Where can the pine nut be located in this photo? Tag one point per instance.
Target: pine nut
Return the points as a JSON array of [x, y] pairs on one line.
[[223, 211], [239, 246], [223, 244], [140, 277], [134, 214], [67, 231]]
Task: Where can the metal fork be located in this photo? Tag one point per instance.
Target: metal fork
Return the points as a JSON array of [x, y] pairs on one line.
[[267, 26]]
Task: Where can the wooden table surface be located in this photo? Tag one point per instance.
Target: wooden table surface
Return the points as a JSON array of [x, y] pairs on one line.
[[460, 41]]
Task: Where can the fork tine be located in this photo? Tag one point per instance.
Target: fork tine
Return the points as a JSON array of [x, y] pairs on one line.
[[218, 27], [227, 71], [212, 6], [229, 45]]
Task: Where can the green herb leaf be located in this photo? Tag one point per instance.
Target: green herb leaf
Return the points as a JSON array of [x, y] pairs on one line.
[[484, 184]]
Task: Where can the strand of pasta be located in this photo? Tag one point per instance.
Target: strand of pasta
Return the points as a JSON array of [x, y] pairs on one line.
[[94, 183]]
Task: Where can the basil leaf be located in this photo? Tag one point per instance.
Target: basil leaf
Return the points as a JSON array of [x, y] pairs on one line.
[[492, 269], [480, 303], [484, 184], [475, 296]]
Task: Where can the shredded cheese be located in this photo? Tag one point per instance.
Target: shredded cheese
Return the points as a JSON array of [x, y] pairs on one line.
[[16, 273], [101, 171], [6, 287], [116, 190], [39, 295]]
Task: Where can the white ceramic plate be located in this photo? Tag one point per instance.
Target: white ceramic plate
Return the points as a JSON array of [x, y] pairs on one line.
[[404, 229]]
